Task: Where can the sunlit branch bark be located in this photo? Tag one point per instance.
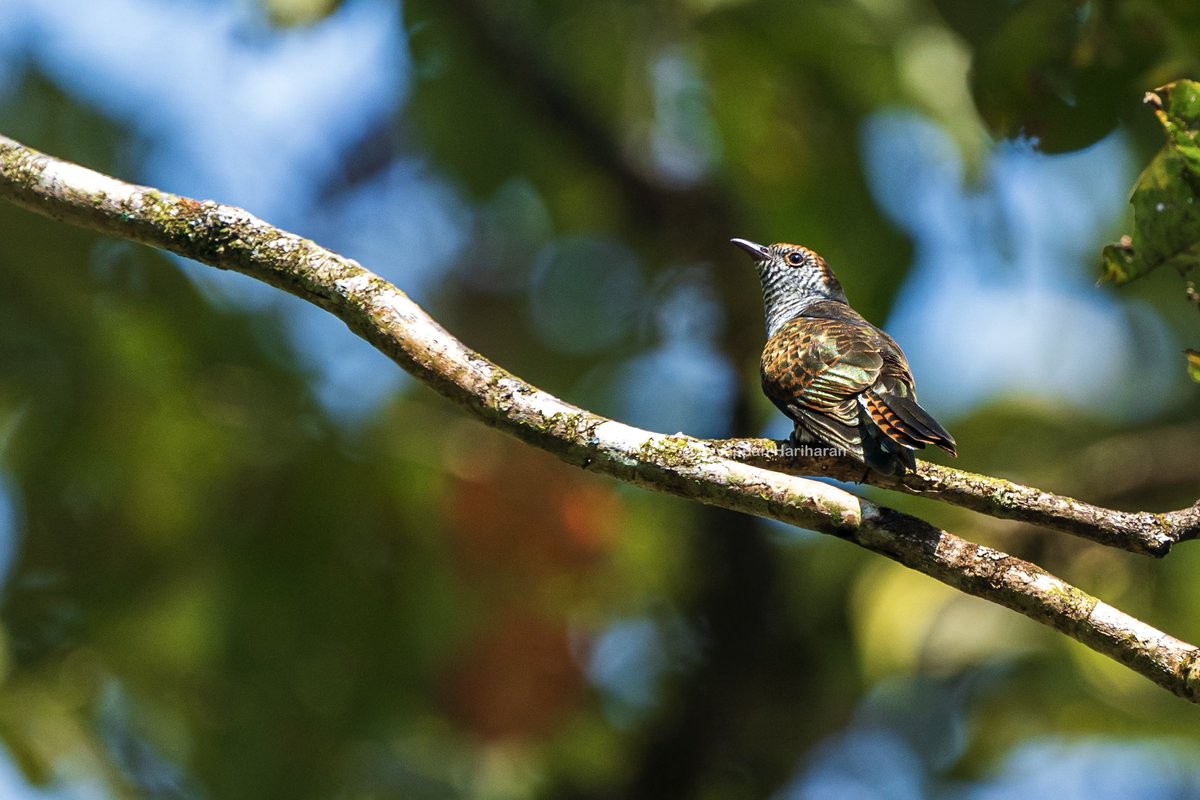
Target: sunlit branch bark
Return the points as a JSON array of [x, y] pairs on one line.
[[229, 238], [1136, 531]]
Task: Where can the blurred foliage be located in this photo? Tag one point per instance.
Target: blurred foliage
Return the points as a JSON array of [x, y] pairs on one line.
[[299, 12], [222, 588], [1065, 73]]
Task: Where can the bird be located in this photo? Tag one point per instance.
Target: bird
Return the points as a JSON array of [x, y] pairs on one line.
[[842, 381]]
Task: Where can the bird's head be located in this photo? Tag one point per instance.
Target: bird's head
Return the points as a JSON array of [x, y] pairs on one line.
[[792, 278]]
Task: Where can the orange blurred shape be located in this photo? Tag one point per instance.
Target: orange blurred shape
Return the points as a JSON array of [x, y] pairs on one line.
[[516, 680], [531, 515]]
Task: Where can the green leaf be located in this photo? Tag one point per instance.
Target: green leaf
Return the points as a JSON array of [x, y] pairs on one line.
[[1166, 198], [1193, 364]]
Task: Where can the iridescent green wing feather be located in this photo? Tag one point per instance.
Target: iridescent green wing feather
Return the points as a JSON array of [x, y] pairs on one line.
[[815, 369]]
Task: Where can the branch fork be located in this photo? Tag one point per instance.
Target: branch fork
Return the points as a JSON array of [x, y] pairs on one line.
[[748, 475]]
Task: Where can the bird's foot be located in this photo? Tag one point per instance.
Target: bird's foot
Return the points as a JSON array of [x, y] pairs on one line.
[[792, 450]]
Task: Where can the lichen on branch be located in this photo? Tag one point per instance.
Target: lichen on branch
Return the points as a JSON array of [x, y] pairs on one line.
[[726, 474]]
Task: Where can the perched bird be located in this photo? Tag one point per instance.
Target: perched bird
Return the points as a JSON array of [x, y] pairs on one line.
[[842, 381]]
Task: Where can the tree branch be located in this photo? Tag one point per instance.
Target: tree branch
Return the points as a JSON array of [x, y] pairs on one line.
[[1136, 531], [229, 238]]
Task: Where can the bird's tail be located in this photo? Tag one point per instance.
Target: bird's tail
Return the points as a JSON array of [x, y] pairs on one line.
[[894, 426]]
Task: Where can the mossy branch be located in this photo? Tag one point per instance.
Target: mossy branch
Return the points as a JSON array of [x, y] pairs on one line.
[[1141, 532], [726, 474]]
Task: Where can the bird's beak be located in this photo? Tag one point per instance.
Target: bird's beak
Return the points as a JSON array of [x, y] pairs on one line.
[[758, 251]]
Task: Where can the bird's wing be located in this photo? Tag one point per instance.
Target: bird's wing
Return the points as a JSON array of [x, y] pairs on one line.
[[814, 369], [829, 373], [892, 403]]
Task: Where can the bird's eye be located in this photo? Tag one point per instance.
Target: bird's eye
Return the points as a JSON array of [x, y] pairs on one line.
[[795, 259]]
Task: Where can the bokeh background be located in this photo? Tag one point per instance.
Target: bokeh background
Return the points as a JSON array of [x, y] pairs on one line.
[[243, 555]]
